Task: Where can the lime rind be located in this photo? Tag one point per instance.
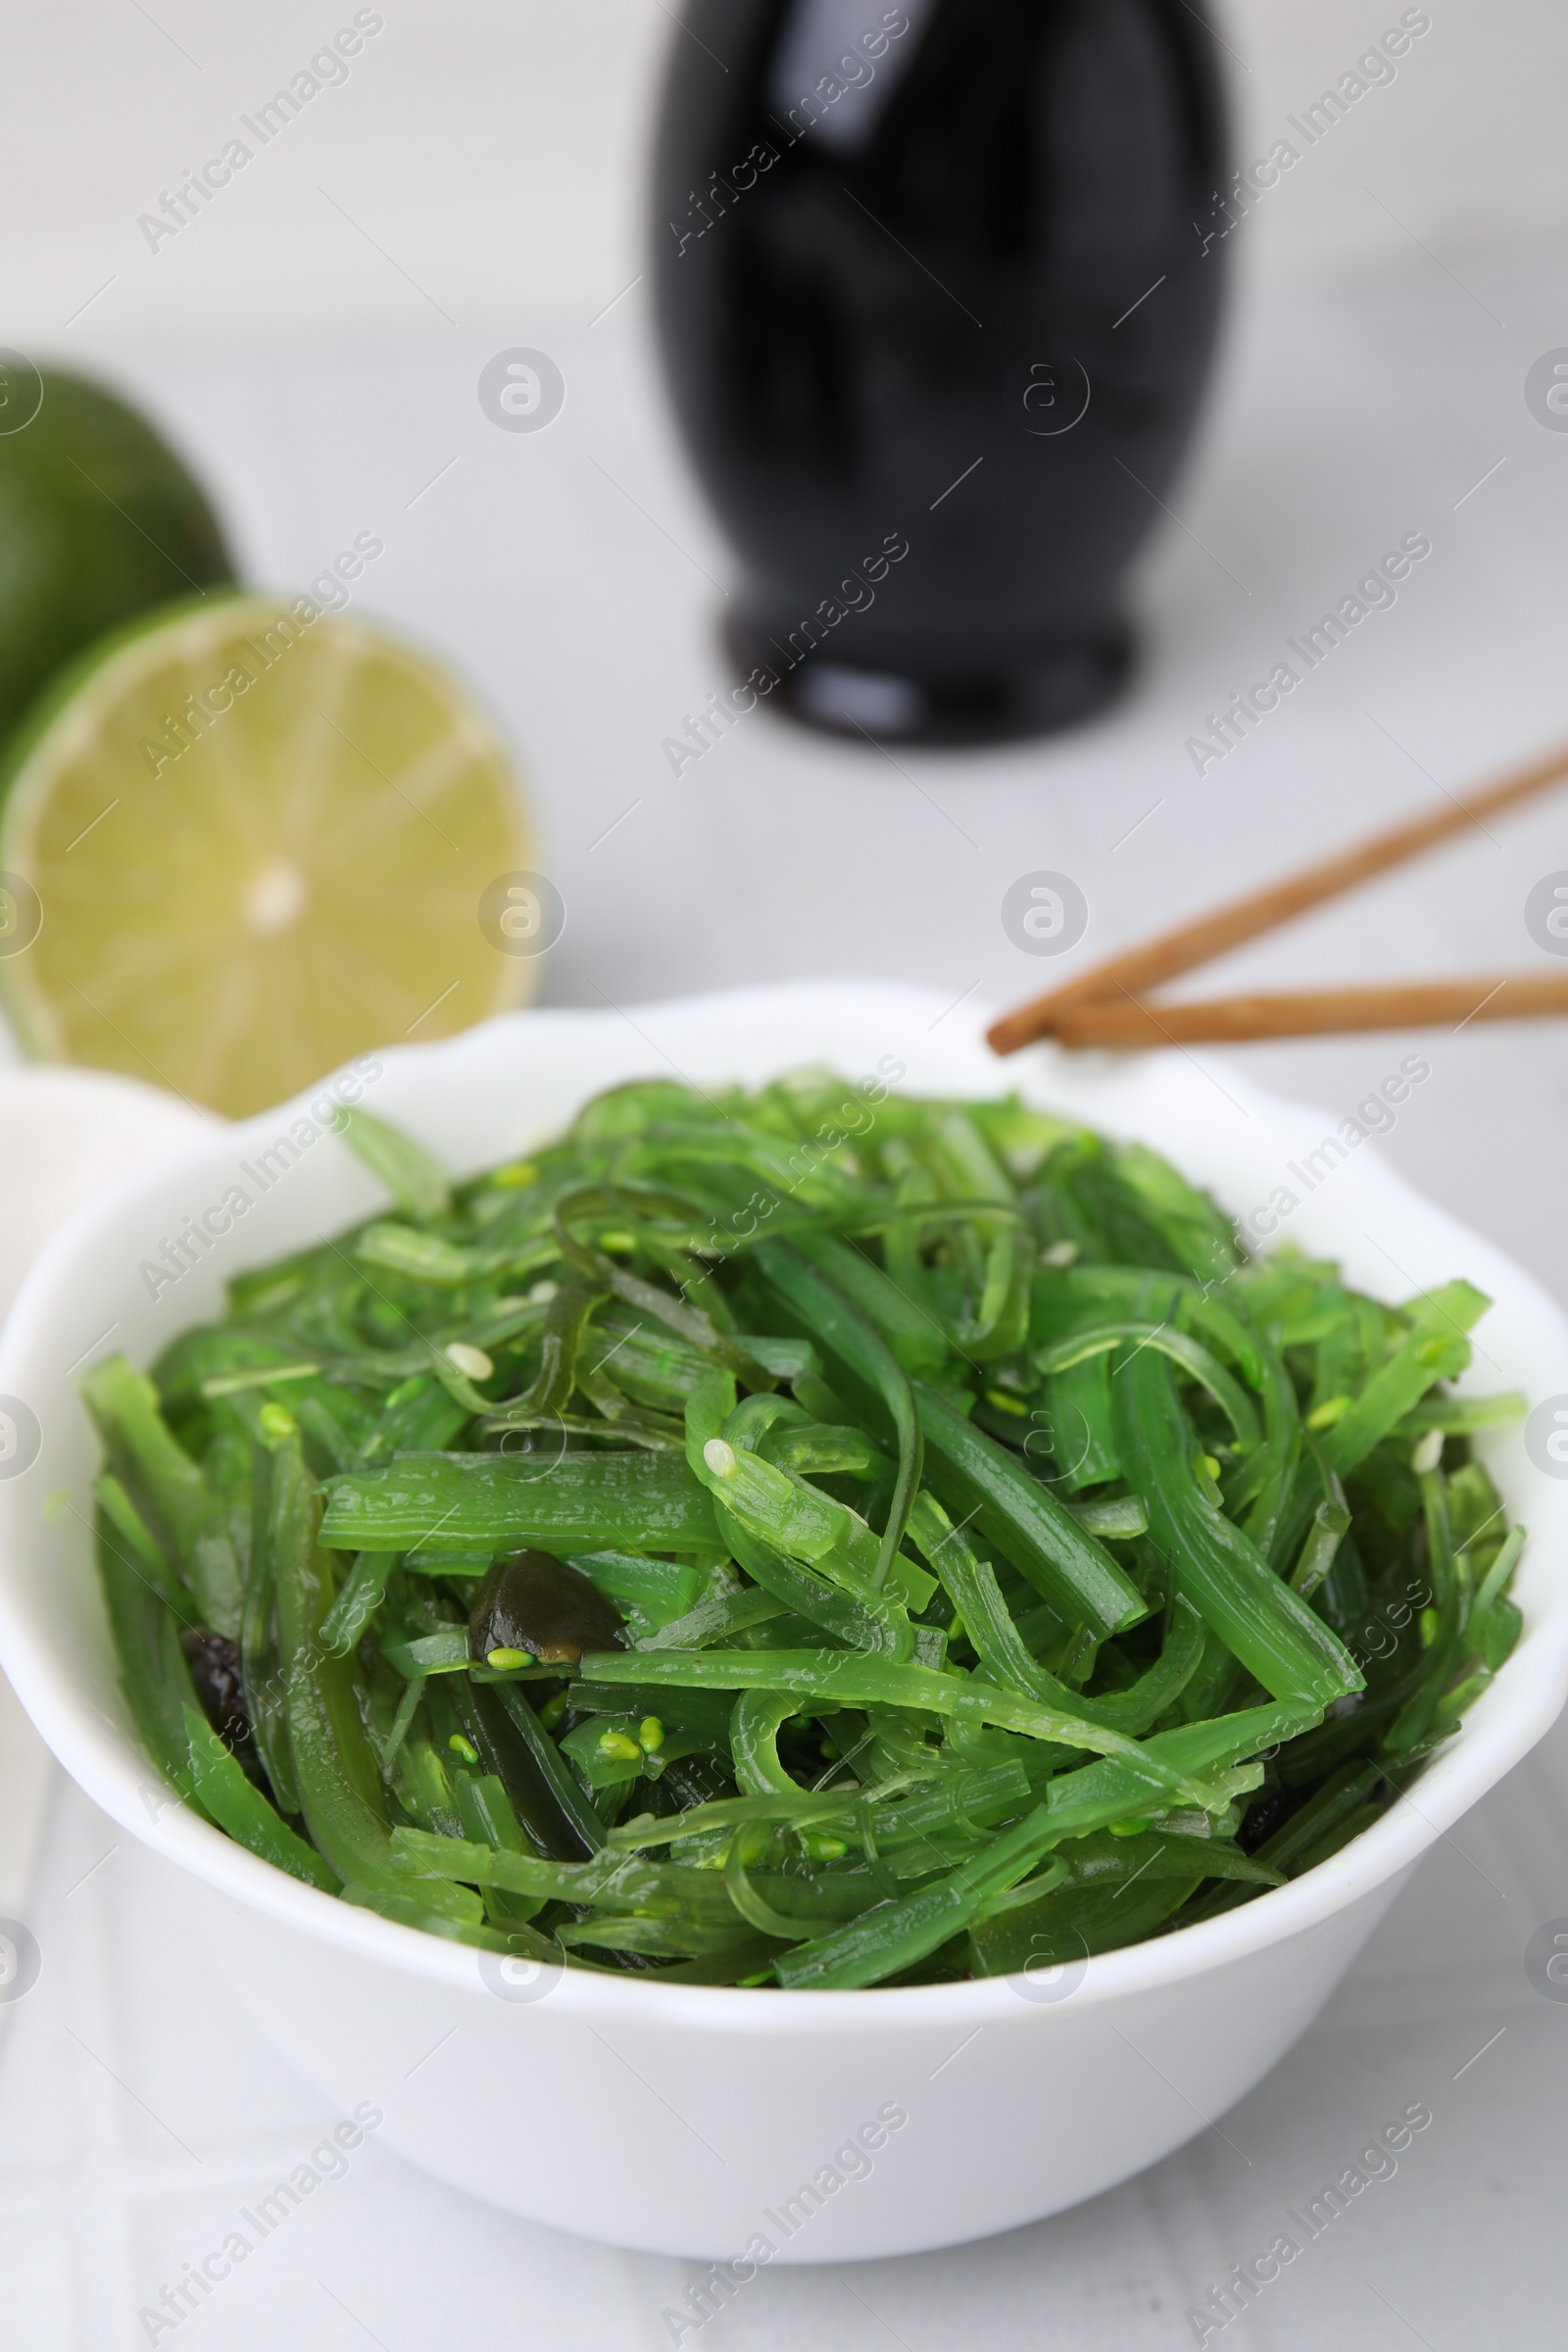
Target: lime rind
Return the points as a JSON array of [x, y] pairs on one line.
[[101, 520]]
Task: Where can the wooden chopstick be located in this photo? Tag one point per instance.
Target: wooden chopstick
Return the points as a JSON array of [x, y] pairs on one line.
[[1315, 1013], [1227, 927]]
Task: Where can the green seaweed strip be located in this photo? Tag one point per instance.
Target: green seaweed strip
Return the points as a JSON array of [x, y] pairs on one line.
[[888, 1942], [240, 1808], [1259, 1619], [578, 1502], [153, 1671]]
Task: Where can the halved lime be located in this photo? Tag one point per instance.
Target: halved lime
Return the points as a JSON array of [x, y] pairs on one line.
[[259, 837]]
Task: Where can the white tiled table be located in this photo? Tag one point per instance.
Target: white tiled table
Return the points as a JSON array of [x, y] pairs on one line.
[[137, 2109]]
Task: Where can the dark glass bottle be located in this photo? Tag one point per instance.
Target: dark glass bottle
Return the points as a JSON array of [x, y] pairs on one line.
[[937, 301]]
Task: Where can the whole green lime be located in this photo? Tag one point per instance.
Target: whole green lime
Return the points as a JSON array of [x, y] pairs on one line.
[[99, 520]]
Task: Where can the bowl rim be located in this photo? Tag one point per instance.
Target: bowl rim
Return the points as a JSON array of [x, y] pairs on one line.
[[101, 1755]]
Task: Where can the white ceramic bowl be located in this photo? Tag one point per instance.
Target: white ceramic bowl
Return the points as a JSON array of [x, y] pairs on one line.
[[64, 1135], [693, 2120]]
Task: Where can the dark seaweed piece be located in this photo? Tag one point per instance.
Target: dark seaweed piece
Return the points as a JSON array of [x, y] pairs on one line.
[[1269, 1813], [532, 1605], [214, 1661]]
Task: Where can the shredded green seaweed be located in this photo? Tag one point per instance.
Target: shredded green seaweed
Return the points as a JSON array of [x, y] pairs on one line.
[[809, 1537]]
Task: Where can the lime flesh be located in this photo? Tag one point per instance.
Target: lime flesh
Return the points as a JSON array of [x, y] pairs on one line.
[[259, 838]]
